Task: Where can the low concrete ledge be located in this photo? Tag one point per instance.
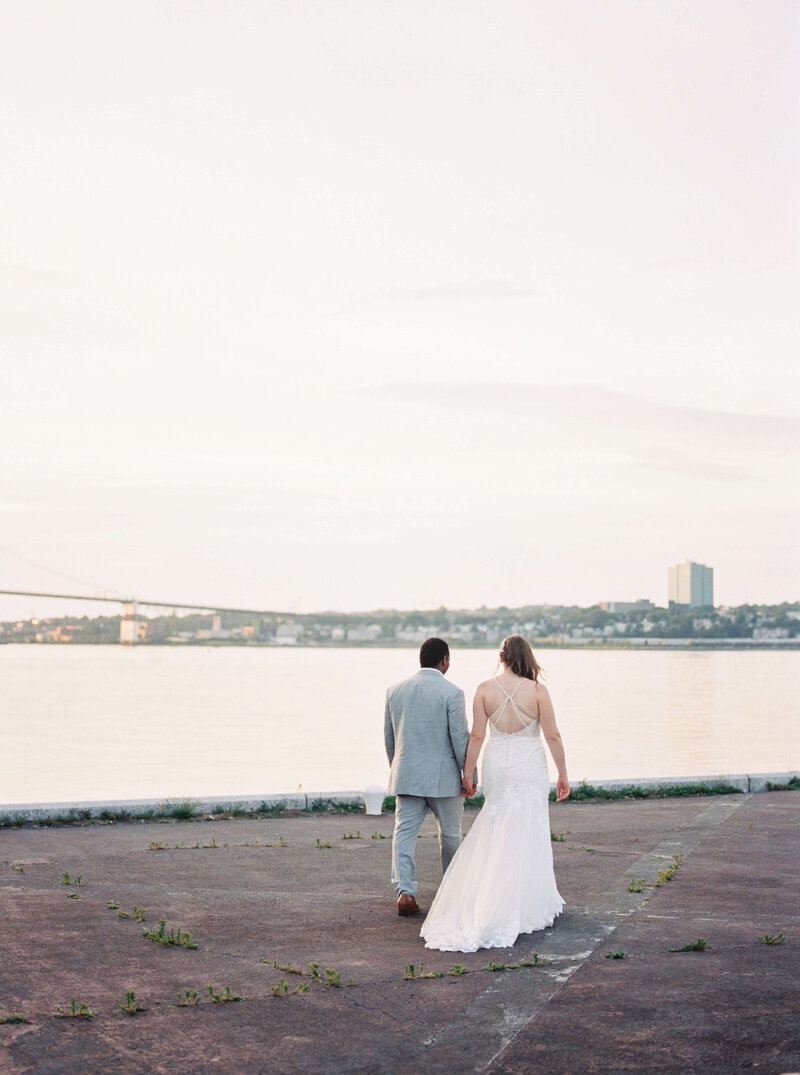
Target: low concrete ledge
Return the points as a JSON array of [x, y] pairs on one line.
[[189, 806], [651, 783], [167, 807], [759, 781], [745, 782]]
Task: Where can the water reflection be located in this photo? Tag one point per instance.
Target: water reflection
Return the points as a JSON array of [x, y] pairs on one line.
[[102, 722]]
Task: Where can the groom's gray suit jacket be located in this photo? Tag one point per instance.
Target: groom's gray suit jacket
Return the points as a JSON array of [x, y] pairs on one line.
[[426, 735]]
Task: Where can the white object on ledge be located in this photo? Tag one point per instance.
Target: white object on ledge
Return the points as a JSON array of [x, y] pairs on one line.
[[374, 795]]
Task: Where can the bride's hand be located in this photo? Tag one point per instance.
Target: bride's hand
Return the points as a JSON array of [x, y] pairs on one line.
[[562, 789], [467, 787]]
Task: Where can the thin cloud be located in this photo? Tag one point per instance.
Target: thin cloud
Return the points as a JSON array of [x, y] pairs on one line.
[[37, 274], [691, 466], [606, 409], [452, 291]]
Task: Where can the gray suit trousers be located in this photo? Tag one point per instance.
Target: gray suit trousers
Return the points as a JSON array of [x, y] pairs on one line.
[[409, 813]]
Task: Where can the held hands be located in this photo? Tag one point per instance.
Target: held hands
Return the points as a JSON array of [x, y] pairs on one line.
[[562, 789], [467, 786]]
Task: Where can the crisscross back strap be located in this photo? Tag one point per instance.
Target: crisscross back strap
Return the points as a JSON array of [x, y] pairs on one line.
[[495, 717]]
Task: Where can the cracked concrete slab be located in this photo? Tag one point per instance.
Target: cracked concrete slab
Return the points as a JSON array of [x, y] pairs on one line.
[[254, 893]]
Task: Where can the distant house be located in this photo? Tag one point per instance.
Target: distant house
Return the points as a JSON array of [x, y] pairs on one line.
[[61, 633], [288, 634], [641, 605], [365, 634], [767, 633]]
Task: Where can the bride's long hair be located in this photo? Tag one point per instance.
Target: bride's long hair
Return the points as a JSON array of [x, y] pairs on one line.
[[517, 655]]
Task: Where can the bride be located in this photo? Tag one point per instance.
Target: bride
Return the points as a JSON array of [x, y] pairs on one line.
[[500, 882]]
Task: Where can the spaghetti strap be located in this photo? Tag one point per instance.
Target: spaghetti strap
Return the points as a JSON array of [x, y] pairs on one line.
[[505, 692], [498, 713]]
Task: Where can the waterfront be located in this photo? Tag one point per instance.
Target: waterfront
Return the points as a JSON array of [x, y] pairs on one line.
[[85, 722]]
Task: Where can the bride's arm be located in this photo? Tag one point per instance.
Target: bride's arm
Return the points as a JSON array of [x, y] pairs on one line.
[[476, 737], [547, 720]]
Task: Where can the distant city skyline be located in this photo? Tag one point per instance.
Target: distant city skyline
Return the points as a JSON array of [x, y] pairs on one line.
[[399, 306], [689, 585], [611, 624]]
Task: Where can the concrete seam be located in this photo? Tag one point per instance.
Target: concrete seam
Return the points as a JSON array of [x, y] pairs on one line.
[[706, 821]]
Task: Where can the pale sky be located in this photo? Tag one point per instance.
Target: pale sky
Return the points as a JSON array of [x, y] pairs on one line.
[[349, 305]]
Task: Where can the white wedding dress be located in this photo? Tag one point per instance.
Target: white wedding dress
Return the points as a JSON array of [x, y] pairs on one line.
[[500, 882]]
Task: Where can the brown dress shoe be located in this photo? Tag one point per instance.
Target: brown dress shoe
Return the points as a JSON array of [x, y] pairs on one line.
[[406, 904]]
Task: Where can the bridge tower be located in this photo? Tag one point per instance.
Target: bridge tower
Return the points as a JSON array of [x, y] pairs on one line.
[[128, 627]]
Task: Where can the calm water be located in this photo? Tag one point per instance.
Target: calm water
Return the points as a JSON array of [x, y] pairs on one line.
[[84, 722]]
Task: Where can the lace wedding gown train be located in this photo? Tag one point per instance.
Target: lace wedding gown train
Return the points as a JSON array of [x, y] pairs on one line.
[[501, 882]]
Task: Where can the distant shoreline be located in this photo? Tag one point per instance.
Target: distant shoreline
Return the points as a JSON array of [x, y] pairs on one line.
[[645, 644]]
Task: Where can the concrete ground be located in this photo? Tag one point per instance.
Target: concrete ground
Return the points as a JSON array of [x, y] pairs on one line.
[[732, 1007]]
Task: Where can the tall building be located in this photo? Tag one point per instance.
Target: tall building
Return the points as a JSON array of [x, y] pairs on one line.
[[691, 585]]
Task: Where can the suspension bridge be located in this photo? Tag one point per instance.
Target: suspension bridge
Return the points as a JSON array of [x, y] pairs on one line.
[[128, 627]]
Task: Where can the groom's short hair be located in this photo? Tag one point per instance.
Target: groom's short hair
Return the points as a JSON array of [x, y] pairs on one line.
[[432, 652]]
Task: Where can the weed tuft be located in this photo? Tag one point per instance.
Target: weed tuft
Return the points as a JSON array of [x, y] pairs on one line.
[[331, 806], [696, 946], [669, 872], [287, 968], [534, 961], [792, 784], [130, 1005], [281, 989], [6, 1020], [321, 844], [411, 972], [188, 997], [218, 997], [772, 938], [181, 809], [13, 821], [76, 1010], [458, 968], [585, 792], [181, 938], [615, 955]]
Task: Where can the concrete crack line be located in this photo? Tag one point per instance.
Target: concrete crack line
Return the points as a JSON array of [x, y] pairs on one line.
[[495, 1017]]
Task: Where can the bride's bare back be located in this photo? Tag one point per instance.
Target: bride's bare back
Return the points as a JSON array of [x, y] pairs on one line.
[[525, 702], [517, 703]]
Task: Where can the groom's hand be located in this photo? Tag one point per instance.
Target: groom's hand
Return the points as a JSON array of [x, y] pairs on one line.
[[467, 787]]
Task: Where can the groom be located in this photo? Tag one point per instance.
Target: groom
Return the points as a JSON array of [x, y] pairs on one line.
[[426, 742]]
